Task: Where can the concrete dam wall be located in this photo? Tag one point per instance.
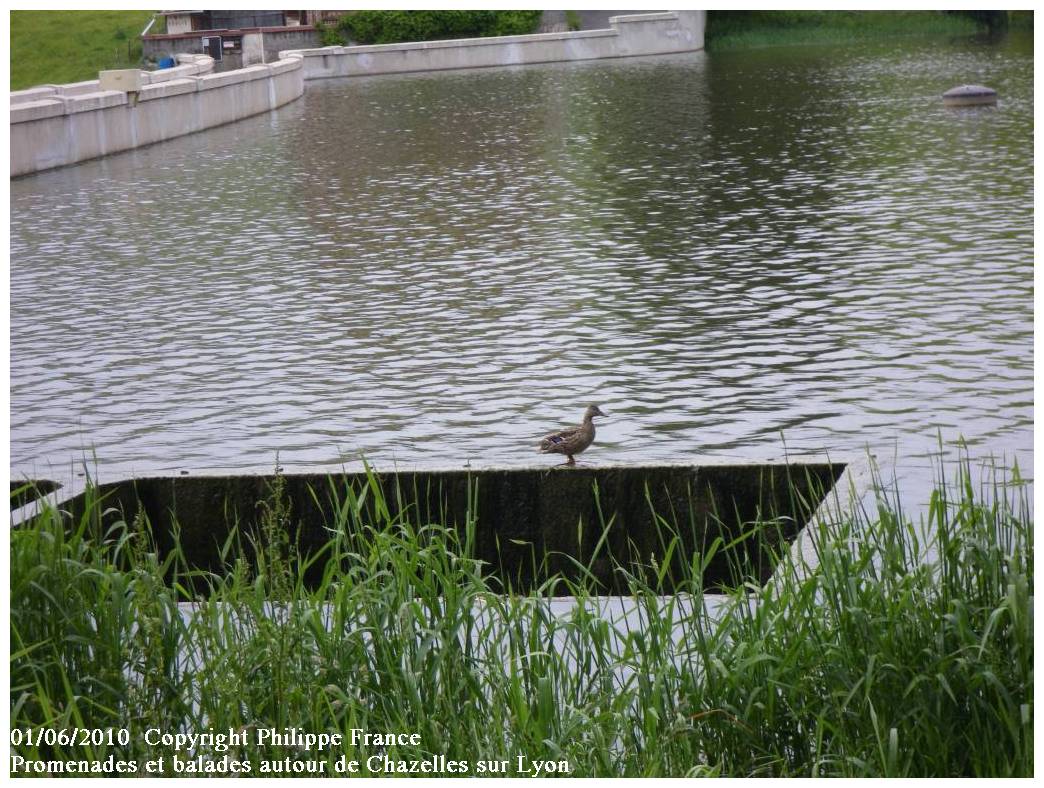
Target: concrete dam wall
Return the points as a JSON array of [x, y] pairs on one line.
[[56, 125], [527, 525], [626, 36]]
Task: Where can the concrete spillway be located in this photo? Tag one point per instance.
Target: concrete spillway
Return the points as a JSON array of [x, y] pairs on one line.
[[529, 523]]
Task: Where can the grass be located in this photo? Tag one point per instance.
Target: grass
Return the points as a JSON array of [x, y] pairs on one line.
[[743, 29], [55, 47], [907, 652]]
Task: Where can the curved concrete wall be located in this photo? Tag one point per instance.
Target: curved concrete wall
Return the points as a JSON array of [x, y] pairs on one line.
[[627, 36], [57, 125]]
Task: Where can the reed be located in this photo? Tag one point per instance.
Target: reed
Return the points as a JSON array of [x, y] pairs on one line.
[[908, 651]]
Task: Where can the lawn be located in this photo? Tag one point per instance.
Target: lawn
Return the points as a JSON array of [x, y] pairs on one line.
[[53, 47]]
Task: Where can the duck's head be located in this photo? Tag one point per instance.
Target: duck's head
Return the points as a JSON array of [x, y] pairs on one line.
[[592, 411]]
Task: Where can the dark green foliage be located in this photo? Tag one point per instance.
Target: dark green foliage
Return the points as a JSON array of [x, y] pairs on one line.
[[329, 35], [736, 29], [993, 20], [1020, 20], [388, 27]]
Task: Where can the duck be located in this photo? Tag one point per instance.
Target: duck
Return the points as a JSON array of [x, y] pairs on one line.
[[573, 440]]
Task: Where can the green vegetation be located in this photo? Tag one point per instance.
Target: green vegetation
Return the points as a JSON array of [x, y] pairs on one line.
[[740, 29], [908, 651], [572, 20], [329, 35], [54, 47], [388, 27]]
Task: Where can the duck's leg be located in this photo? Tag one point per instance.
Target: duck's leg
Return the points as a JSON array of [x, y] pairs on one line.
[[571, 461]]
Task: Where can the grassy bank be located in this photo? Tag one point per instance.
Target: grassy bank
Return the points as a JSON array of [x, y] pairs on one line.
[[53, 47], [899, 655], [740, 29]]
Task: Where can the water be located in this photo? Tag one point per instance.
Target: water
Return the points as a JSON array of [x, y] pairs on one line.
[[788, 250]]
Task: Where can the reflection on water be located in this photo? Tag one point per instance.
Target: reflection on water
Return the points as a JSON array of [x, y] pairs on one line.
[[726, 252]]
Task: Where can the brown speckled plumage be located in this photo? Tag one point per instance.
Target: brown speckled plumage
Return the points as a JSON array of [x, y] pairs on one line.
[[573, 440]]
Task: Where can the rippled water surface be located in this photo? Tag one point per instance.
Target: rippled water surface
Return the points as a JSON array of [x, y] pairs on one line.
[[728, 253]]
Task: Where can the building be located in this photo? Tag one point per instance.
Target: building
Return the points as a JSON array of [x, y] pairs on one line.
[[234, 38]]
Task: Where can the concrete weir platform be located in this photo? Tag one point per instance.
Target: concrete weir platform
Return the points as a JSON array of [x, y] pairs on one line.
[[600, 522]]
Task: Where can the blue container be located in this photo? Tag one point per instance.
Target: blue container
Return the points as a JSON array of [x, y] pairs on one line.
[[167, 62]]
